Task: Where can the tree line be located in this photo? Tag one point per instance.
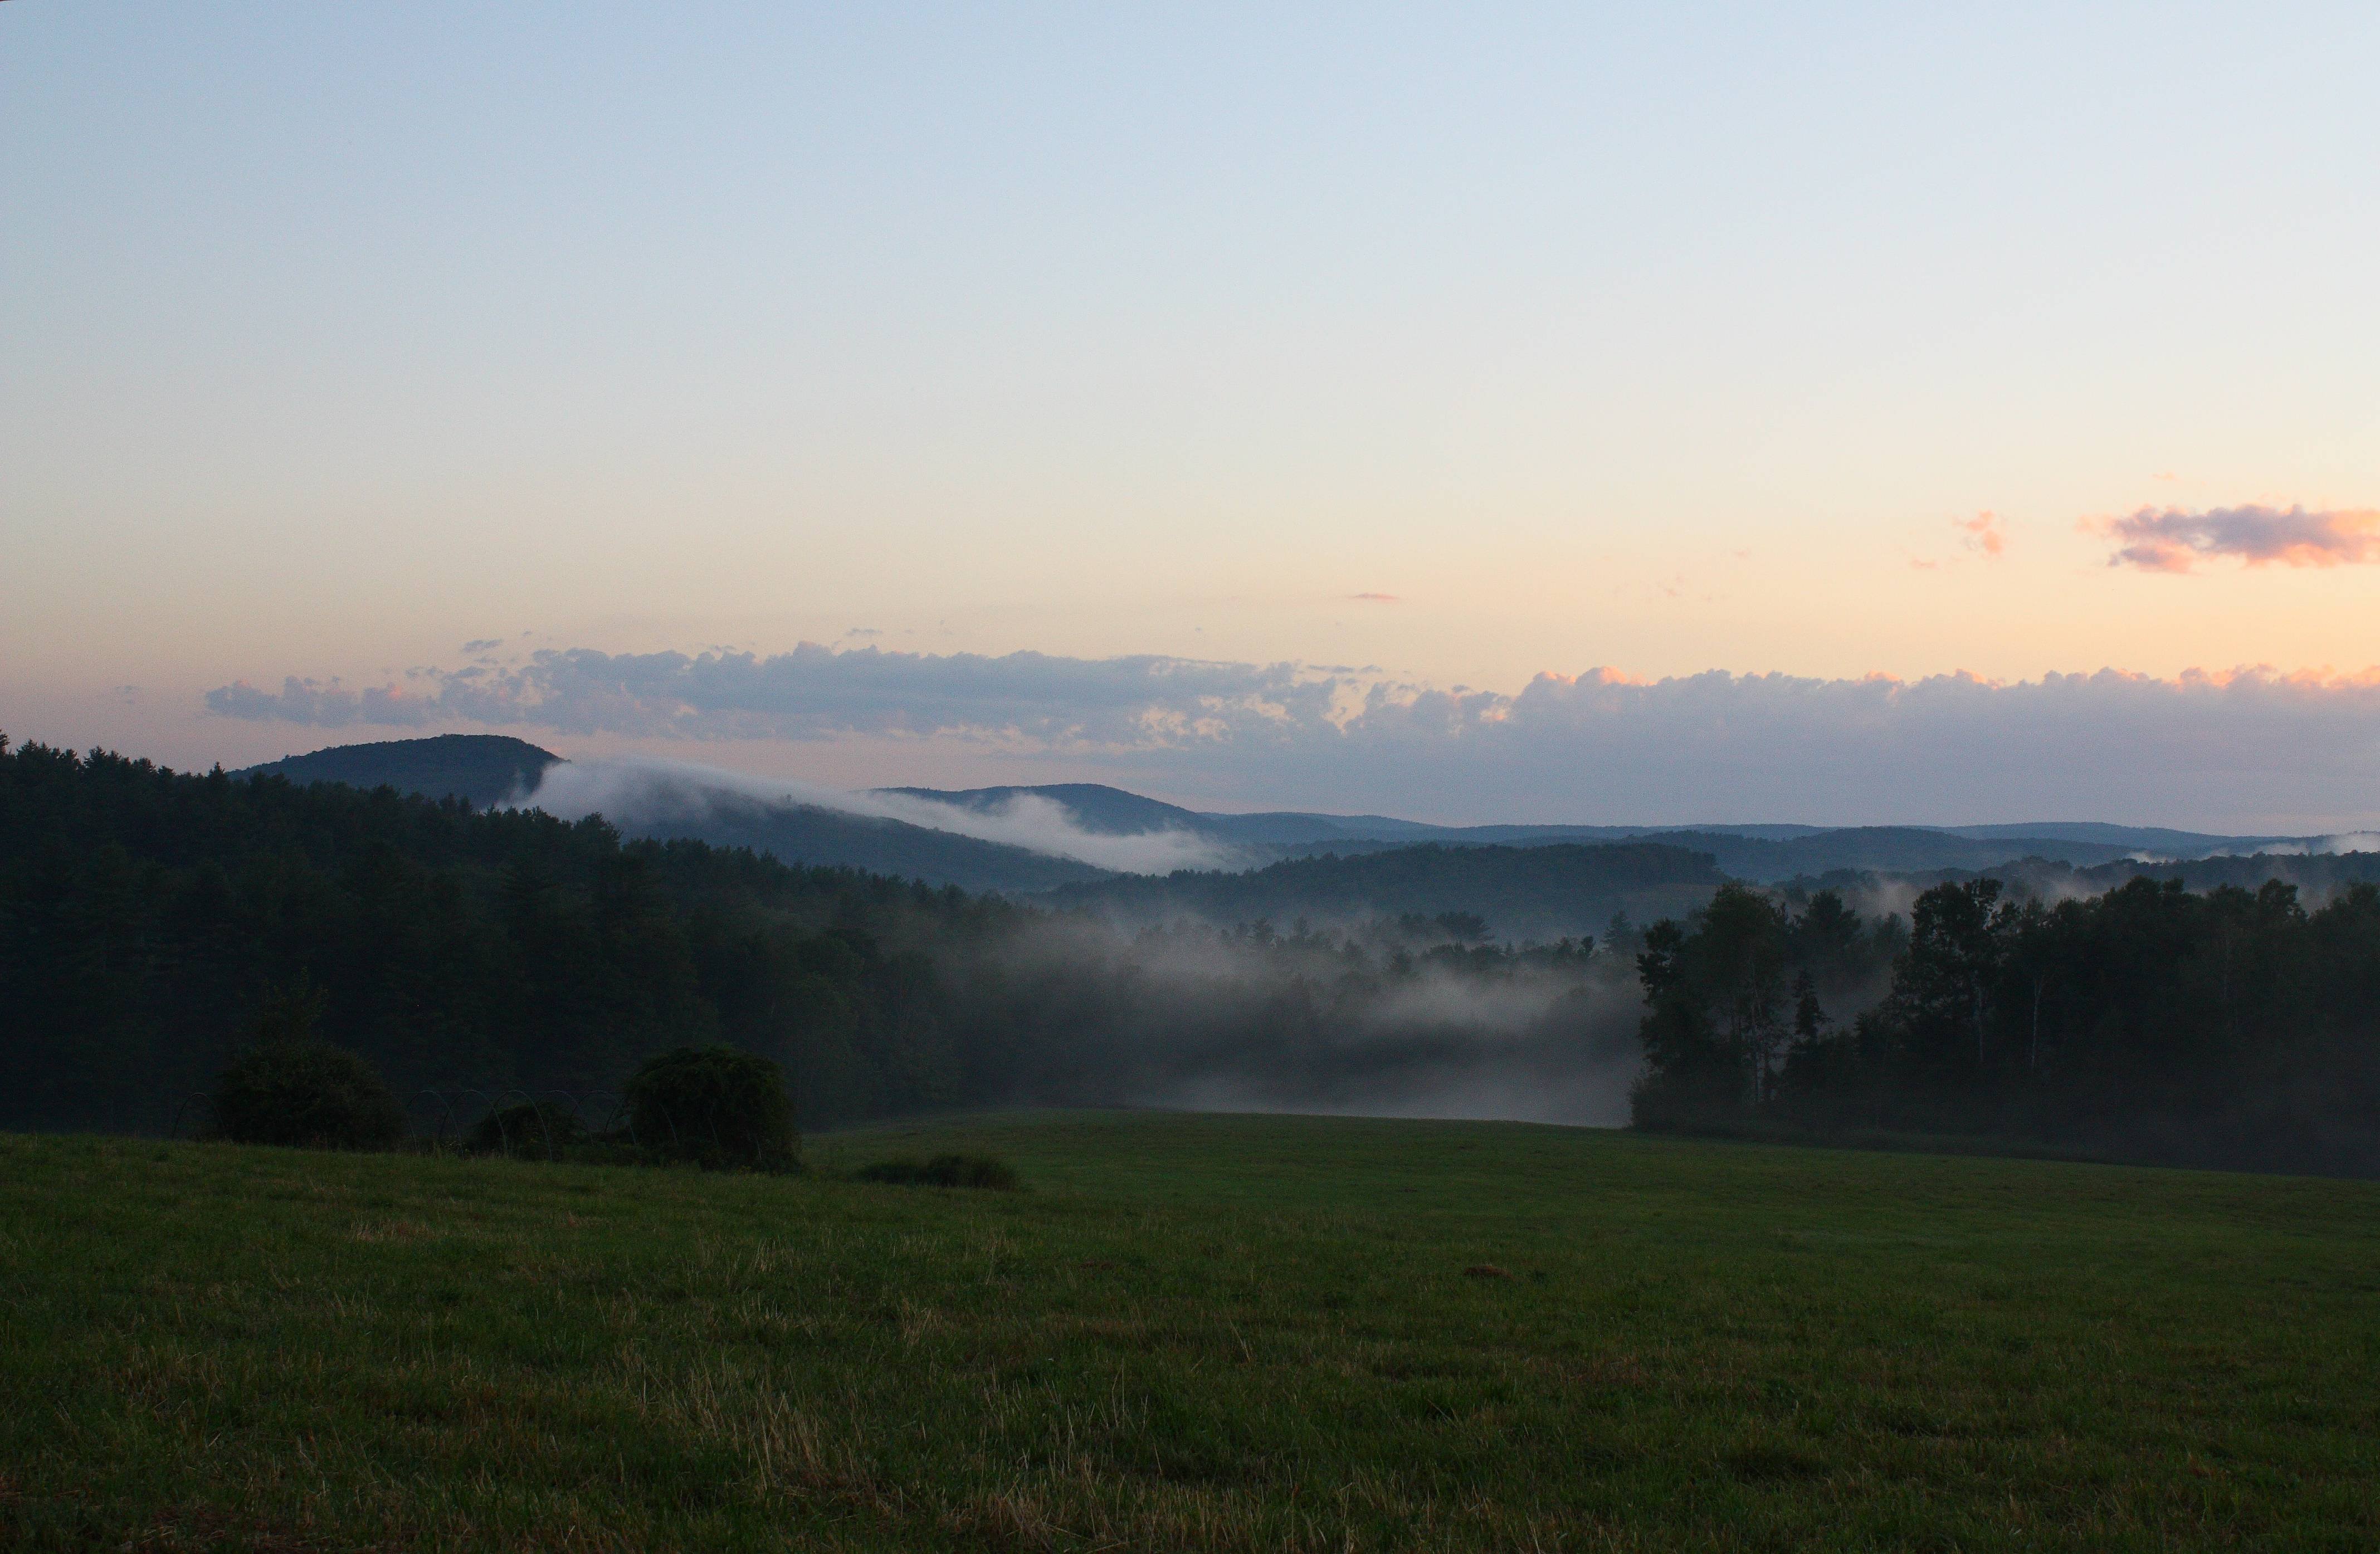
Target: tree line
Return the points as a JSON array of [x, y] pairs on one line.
[[2230, 1028]]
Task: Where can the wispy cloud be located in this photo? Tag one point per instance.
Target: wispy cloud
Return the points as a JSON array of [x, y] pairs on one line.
[[1374, 598], [2250, 748], [2175, 540], [1987, 534]]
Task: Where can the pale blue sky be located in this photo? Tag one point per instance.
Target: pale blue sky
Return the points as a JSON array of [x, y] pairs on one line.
[[1659, 338]]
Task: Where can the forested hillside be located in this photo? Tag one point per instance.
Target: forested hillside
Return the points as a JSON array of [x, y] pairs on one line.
[[143, 914], [484, 768], [146, 915]]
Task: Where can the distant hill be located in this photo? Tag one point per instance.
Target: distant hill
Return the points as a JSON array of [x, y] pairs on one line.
[[2146, 839], [487, 769], [1766, 853], [1096, 807], [1543, 893], [492, 769], [1880, 848]]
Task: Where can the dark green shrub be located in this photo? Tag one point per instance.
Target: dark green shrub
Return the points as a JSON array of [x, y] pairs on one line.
[[718, 1107], [529, 1131], [946, 1170], [287, 1087], [307, 1093]]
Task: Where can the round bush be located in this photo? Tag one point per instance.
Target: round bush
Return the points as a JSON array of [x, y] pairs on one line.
[[716, 1106], [307, 1093]]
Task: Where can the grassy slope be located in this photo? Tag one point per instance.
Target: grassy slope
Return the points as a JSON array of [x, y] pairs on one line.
[[1191, 1332]]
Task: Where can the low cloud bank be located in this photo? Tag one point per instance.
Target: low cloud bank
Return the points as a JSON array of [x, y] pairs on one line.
[[631, 791], [2250, 750], [818, 692]]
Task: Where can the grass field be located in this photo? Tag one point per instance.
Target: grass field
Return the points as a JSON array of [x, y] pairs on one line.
[[1186, 1332]]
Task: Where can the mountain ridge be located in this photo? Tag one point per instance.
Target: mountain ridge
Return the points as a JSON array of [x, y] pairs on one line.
[[496, 769]]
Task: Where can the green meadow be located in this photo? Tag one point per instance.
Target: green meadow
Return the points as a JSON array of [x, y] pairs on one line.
[[1184, 1332]]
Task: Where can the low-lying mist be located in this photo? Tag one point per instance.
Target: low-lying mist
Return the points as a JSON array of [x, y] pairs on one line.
[[1370, 1021], [635, 792]]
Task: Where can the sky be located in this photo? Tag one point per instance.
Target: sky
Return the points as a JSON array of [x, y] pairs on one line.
[[1825, 413]]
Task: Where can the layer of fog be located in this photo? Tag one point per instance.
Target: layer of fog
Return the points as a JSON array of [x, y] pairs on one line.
[[1360, 1022], [629, 792], [2311, 846]]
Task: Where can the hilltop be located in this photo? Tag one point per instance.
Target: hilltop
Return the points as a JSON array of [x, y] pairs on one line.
[[486, 769]]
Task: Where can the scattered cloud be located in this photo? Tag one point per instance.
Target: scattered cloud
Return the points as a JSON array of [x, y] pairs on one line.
[[1376, 598], [2175, 540], [1984, 535], [482, 644], [1987, 534], [329, 703], [2250, 748]]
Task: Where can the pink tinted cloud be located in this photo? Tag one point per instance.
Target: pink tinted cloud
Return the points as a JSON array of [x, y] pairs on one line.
[[2174, 540], [1374, 598], [1985, 532]]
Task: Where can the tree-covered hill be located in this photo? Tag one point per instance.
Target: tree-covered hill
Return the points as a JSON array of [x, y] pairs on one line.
[[484, 768], [1882, 849], [1095, 807], [145, 914]]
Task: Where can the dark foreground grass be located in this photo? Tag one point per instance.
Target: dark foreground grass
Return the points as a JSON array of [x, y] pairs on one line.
[[1185, 1333]]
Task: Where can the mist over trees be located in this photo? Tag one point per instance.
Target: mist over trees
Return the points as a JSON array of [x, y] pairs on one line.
[[150, 921], [146, 917]]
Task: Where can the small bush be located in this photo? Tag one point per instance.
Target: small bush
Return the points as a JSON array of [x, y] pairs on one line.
[[530, 1131], [718, 1107], [946, 1170], [306, 1093], [287, 1087]]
